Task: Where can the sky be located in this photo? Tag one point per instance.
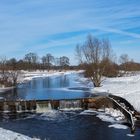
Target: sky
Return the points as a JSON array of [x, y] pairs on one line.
[[56, 26]]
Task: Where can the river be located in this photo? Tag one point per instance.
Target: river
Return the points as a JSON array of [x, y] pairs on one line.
[[62, 124]]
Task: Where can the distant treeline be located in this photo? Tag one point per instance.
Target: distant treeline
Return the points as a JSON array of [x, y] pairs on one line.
[[31, 61]]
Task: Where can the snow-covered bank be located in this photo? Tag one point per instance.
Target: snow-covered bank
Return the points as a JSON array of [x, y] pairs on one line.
[[126, 87], [27, 76], [4, 89], [10, 135]]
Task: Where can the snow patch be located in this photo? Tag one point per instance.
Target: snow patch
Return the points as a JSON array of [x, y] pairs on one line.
[[118, 126], [107, 115], [130, 135], [106, 118], [27, 76], [10, 135]]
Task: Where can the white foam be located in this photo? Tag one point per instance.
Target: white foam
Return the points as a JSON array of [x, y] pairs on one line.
[[118, 126], [106, 118], [71, 109], [89, 112], [107, 115], [130, 135]]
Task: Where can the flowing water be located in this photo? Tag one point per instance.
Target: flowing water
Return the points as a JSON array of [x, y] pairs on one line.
[[69, 121], [54, 87]]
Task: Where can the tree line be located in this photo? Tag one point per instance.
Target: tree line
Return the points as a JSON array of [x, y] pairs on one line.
[[32, 61]]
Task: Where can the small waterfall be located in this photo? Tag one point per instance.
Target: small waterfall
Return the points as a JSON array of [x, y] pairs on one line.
[[43, 107], [40, 106], [25, 106], [5, 107], [70, 104], [18, 107]]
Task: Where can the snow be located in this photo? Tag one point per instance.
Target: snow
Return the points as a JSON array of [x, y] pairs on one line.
[[27, 76], [111, 115], [105, 118], [107, 115], [117, 114], [118, 126], [10, 135], [126, 87], [130, 135]]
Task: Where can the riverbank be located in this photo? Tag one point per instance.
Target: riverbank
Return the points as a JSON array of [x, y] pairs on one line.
[[127, 87], [27, 75]]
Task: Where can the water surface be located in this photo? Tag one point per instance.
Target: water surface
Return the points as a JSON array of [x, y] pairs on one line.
[[68, 125], [54, 87]]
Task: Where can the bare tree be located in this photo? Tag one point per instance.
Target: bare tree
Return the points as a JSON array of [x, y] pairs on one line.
[[47, 60], [57, 61], [3, 68], [12, 63], [78, 54], [31, 59], [14, 77], [9, 73], [64, 62], [3, 62], [124, 60], [95, 55]]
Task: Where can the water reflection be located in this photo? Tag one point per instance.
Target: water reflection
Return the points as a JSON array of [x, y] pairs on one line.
[[46, 82], [55, 87], [56, 82], [64, 81]]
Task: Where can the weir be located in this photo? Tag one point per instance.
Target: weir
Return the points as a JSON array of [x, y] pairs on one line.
[[39, 106], [43, 106], [72, 104], [126, 108]]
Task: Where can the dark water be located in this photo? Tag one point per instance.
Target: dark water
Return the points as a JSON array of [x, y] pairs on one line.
[[61, 125], [68, 125], [55, 87]]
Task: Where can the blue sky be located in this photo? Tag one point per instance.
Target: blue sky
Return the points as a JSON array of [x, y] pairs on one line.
[[56, 26]]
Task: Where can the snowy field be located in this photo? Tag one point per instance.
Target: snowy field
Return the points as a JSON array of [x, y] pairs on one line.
[[126, 87]]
